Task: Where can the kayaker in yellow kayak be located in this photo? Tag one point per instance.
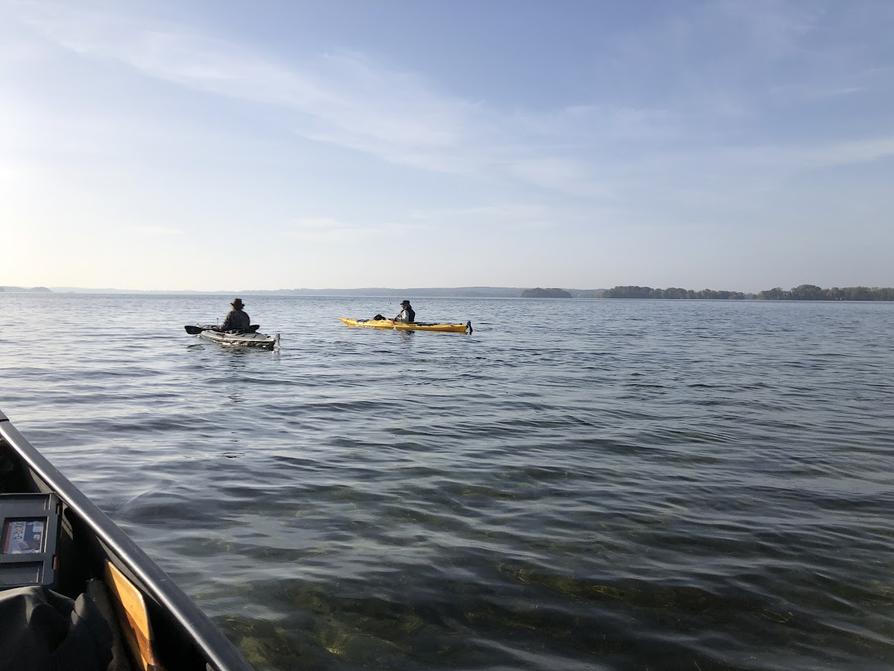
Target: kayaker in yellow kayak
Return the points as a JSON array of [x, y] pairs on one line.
[[237, 319], [407, 313]]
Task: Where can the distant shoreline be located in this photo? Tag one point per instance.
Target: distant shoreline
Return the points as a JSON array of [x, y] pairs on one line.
[[25, 290], [804, 292]]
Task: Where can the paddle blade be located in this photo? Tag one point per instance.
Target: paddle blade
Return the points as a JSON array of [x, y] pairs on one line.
[[193, 330]]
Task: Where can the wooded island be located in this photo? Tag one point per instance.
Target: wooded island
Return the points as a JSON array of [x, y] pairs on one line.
[[803, 292], [545, 293]]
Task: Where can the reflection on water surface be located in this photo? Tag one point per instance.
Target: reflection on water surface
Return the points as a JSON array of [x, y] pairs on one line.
[[577, 485]]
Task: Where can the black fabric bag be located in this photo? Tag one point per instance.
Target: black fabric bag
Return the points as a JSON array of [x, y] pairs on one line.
[[45, 631]]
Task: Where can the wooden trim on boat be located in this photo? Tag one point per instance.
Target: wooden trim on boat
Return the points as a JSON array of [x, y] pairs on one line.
[[133, 617]]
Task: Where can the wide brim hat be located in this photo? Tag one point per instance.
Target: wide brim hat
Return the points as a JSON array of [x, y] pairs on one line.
[[237, 301], [405, 302]]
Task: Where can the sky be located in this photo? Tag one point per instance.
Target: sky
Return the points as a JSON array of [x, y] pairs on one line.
[[276, 145]]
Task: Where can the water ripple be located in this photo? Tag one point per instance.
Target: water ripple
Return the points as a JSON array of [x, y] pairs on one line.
[[656, 484]]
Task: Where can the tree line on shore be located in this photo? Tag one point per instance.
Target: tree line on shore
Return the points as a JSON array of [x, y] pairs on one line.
[[803, 292]]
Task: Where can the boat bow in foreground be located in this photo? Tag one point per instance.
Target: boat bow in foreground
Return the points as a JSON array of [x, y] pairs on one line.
[[161, 627]]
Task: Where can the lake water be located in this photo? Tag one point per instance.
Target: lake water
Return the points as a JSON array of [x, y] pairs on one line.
[[577, 485]]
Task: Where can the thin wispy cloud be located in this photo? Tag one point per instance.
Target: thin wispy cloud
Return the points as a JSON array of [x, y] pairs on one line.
[[152, 231], [332, 231], [504, 218], [326, 230], [651, 121], [350, 100]]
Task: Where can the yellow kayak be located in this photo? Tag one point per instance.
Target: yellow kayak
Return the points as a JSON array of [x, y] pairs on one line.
[[405, 326]]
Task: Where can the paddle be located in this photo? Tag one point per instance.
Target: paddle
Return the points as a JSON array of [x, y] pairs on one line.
[[196, 330]]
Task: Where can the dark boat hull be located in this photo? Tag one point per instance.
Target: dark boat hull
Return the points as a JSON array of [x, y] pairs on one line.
[[93, 547]]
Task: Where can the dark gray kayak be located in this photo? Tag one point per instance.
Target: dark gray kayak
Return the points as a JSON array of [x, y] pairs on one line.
[[62, 558]]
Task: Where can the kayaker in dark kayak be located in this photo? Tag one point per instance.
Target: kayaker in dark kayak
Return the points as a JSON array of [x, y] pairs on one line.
[[407, 313], [237, 319]]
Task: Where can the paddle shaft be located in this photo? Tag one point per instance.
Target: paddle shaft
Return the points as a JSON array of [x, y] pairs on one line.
[[196, 330]]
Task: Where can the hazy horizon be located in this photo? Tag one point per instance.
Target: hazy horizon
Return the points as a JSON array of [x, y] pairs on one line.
[[471, 291], [723, 145]]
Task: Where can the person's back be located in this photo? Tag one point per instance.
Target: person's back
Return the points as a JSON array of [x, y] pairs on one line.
[[407, 313], [237, 319]]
